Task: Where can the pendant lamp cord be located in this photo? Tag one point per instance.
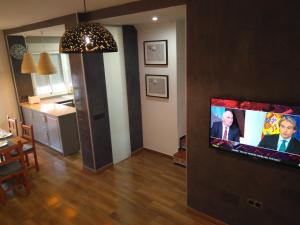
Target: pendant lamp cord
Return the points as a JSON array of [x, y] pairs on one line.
[[25, 40], [42, 43], [84, 6], [44, 50]]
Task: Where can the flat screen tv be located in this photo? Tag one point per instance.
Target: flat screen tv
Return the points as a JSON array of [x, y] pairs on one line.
[[261, 130]]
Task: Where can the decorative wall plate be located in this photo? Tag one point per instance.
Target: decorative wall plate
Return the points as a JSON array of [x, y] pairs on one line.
[[17, 51]]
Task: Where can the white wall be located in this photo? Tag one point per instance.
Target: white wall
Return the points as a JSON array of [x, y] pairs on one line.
[[40, 47], [114, 66], [8, 98], [159, 116]]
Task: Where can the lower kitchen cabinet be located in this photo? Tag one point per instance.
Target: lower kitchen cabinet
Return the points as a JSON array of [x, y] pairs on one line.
[[54, 133], [58, 132]]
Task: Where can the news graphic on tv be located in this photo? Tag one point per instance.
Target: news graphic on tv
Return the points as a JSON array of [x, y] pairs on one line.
[[261, 130]]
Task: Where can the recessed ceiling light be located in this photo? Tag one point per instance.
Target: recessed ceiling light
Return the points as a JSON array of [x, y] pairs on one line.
[[154, 18]]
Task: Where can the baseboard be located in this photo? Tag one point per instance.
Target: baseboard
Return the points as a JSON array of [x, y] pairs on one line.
[[207, 217], [97, 170], [159, 153], [136, 151]]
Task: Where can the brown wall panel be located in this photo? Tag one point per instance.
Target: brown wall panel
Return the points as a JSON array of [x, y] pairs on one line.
[[133, 86], [82, 110], [245, 50], [98, 109]]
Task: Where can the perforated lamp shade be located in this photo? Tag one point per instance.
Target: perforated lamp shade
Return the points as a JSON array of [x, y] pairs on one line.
[[45, 66], [87, 38], [28, 65]]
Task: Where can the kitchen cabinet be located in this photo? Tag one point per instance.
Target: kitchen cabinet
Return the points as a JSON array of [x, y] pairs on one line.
[[27, 115], [40, 127], [53, 125], [54, 133]]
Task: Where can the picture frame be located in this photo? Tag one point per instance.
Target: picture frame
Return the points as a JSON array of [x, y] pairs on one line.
[[156, 52], [157, 86]]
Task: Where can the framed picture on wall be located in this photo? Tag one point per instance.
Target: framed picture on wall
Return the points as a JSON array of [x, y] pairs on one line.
[[156, 52], [157, 86]]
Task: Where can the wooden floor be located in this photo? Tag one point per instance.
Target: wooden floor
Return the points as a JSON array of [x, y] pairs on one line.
[[146, 189]]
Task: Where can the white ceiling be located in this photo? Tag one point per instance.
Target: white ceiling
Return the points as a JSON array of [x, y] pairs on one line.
[[55, 31], [170, 14], [15, 13]]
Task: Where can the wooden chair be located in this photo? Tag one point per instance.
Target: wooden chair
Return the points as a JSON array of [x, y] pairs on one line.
[[13, 166], [29, 148], [12, 125]]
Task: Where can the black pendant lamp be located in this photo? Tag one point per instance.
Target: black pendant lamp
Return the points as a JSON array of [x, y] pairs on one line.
[[87, 38]]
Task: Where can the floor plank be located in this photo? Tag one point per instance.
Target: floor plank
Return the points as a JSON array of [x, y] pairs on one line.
[[145, 189]]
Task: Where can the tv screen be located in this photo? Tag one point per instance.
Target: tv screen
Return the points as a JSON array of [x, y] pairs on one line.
[[261, 130]]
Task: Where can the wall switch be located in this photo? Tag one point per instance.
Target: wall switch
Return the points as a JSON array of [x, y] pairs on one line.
[[254, 203]]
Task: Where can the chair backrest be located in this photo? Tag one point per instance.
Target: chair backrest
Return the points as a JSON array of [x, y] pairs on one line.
[[12, 125], [12, 154], [27, 132]]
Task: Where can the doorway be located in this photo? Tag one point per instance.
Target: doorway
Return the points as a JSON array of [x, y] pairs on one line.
[[163, 119]]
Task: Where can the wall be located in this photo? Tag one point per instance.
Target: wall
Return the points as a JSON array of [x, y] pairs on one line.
[[94, 80], [7, 92], [159, 116], [38, 44], [131, 56], [117, 98], [181, 76], [246, 50]]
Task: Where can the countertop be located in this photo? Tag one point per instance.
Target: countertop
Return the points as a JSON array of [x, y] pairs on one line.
[[49, 106], [58, 99]]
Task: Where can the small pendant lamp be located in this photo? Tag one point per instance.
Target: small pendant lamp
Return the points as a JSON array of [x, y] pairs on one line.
[[45, 66], [28, 65], [87, 38]]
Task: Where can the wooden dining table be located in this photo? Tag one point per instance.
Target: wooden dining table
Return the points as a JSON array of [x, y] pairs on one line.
[[11, 139]]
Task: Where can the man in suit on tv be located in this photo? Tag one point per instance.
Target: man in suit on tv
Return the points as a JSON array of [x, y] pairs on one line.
[[283, 142], [225, 129]]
